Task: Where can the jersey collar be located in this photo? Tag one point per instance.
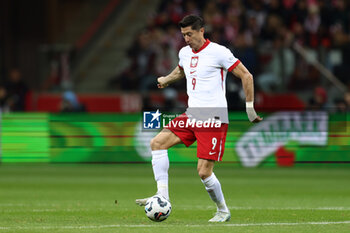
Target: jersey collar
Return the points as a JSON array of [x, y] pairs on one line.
[[203, 46]]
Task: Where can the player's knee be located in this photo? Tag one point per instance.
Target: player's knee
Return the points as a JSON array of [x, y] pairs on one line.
[[203, 173], [156, 144]]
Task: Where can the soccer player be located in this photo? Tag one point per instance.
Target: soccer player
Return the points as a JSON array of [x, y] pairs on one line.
[[205, 65]]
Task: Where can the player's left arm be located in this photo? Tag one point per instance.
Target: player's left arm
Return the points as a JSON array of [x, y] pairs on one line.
[[246, 77]]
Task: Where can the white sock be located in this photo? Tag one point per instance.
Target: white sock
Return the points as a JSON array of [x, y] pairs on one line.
[[213, 187], [160, 165]]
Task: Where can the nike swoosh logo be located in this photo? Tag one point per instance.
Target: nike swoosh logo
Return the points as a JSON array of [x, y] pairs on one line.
[[191, 72], [211, 153]]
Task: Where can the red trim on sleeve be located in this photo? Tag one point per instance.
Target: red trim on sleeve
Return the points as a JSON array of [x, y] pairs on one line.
[[234, 65], [180, 67]]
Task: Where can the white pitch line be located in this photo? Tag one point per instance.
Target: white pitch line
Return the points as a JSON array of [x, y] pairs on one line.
[[267, 208], [11, 204], [51, 210], [290, 208], [175, 225], [38, 210]]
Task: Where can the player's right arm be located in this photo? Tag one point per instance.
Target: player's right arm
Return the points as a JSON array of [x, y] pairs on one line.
[[174, 76]]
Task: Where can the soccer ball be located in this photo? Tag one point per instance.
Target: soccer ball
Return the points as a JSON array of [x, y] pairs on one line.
[[158, 208]]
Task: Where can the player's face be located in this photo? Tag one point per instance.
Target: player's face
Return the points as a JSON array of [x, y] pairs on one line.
[[192, 37]]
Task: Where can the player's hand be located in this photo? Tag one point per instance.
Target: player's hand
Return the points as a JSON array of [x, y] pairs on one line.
[[252, 116], [257, 119], [161, 83]]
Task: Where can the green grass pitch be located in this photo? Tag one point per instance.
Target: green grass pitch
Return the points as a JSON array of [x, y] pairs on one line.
[[81, 198]]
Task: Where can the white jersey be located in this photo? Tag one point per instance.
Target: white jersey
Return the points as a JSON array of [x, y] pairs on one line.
[[205, 72]]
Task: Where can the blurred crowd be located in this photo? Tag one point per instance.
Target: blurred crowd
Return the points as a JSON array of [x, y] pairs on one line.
[[13, 92], [14, 95], [261, 33]]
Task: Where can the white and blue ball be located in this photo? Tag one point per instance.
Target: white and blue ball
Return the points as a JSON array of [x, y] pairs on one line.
[[158, 208]]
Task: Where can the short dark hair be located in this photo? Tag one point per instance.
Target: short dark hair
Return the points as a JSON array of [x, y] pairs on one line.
[[194, 21]]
